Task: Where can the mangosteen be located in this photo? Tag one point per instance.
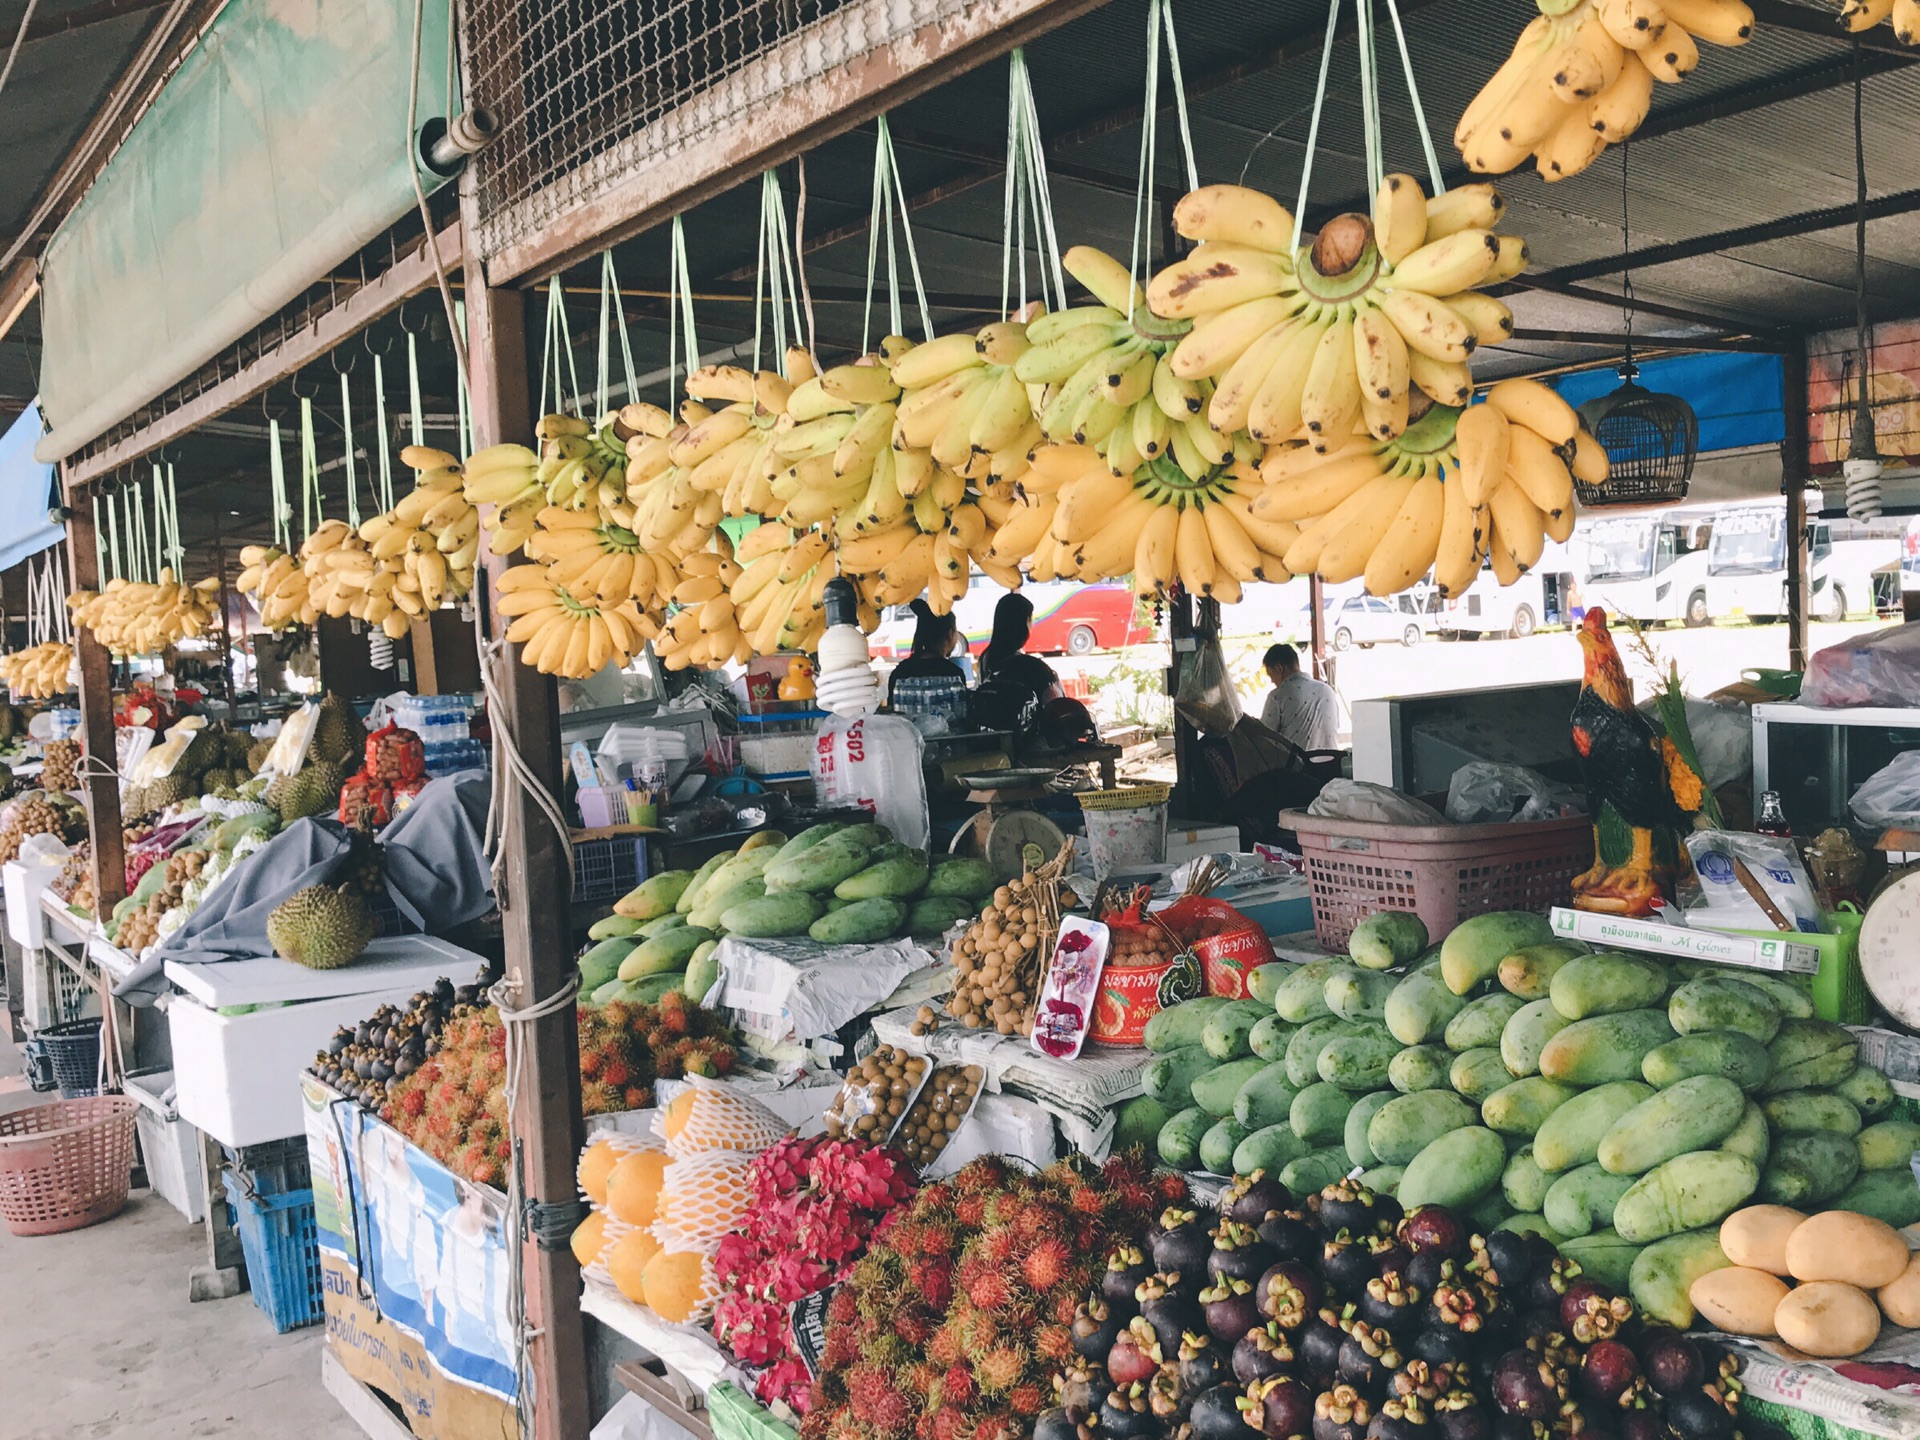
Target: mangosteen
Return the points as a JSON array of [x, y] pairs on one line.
[[1388, 1301], [1517, 1427], [1699, 1414], [1167, 1398], [1341, 1414], [1608, 1371], [1549, 1274], [1096, 1326], [1423, 1378], [1291, 1236], [1055, 1424], [1368, 1356], [1348, 1205], [1082, 1389], [363, 1033], [1135, 1355], [1403, 1419], [1126, 1268], [1591, 1312], [1288, 1294], [1501, 1259], [1230, 1309], [1170, 1309], [1466, 1307], [1203, 1363], [1434, 1227], [1238, 1253], [1671, 1362], [1428, 1270], [1127, 1415], [363, 1066], [1182, 1244], [1459, 1415], [1643, 1424], [1390, 1256], [1527, 1386], [443, 991], [1318, 1345], [341, 1038], [1262, 1353], [1252, 1198], [1347, 1264], [1215, 1414], [1279, 1407]]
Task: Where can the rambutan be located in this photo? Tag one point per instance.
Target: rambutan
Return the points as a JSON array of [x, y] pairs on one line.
[[913, 1324], [840, 1309], [1000, 1369], [999, 1248], [892, 1414], [998, 1426], [1053, 1344], [957, 1387], [413, 1104], [947, 1346], [970, 1211], [950, 1423], [989, 1290], [936, 1240], [1047, 1264], [1026, 1399]]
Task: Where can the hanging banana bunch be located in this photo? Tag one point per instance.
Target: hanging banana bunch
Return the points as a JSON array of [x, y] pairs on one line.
[[705, 626], [276, 583], [139, 617], [778, 587], [38, 672], [1860, 15], [405, 564], [505, 478], [1582, 73], [564, 634], [1342, 332], [1493, 482], [336, 565]]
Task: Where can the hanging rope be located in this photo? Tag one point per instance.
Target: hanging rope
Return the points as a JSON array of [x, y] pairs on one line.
[[680, 332], [100, 573], [558, 343], [1027, 191], [413, 389], [176, 552], [889, 192], [277, 471], [312, 510], [1159, 26], [462, 397], [1436, 178], [774, 275], [1313, 126], [111, 571], [383, 474], [353, 477]]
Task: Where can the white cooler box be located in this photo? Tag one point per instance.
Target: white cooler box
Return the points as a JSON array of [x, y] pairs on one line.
[[238, 1075], [24, 884], [169, 1145]]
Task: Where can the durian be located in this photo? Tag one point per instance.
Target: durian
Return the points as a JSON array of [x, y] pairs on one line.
[[321, 927], [311, 791], [338, 734]]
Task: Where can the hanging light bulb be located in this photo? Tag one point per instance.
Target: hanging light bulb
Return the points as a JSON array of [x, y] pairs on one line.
[[379, 649], [1862, 466]]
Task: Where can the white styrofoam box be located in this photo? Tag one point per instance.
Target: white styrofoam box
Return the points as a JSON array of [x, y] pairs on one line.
[[1185, 845], [238, 1076], [169, 1146], [22, 885]]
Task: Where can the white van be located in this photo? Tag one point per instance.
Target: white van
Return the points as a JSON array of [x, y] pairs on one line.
[[1537, 598], [1644, 567]]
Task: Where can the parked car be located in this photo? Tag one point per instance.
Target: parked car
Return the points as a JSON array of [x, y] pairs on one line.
[[1368, 620], [1068, 619]]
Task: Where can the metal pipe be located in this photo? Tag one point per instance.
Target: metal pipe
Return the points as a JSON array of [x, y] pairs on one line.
[[444, 145]]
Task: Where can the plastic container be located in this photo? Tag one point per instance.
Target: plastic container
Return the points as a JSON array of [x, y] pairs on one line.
[[1838, 987], [169, 1147], [607, 869], [67, 1164], [281, 1246], [1442, 873], [1126, 828]]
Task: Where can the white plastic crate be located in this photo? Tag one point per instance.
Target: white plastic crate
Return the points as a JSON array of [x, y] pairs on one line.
[[169, 1146]]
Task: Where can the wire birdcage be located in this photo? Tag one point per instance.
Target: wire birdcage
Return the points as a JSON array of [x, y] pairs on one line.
[[1651, 442]]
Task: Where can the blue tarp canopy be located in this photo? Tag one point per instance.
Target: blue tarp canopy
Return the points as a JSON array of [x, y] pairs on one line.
[[1736, 397], [26, 492]]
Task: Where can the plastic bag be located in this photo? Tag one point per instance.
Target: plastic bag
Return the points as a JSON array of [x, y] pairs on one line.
[[1206, 698], [1723, 739], [1773, 863], [872, 763], [1487, 792], [1890, 797], [1148, 970], [1878, 669], [1363, 800], [43, 850], [1228, 943]]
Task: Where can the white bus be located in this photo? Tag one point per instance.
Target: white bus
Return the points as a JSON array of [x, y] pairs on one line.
[[1539, 597], [1645, 567]]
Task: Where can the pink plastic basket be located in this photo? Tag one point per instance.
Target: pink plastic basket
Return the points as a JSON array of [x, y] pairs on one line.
[[1442, 873], [67, 1164]]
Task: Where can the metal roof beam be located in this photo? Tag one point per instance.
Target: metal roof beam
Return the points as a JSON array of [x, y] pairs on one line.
[[1787, 227], [87, 16], [1743, 344]]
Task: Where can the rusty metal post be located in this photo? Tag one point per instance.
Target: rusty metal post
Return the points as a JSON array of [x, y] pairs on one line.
[[534, 910], [1317, 626], [1795, 457], [100, 783]]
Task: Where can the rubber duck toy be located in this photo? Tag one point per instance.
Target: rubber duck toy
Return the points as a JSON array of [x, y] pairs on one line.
[[798, 684]]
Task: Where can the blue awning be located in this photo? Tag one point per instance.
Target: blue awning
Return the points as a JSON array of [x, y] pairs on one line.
[[26, 493], [1737, 398]]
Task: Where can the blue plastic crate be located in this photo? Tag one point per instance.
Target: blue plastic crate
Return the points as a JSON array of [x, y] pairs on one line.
[[607, 869], [277, 1237]]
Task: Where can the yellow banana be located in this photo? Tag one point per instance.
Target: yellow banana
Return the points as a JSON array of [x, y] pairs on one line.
[[1399, 217], [1519, 523], [1482, 438], [1411, 542], [1330, 399], [1235, 215], [1346, 551], [1536, 467]]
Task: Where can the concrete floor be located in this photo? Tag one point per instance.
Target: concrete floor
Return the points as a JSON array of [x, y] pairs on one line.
[[97, 1338]]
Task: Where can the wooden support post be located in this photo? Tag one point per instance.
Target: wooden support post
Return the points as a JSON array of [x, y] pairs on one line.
[[534, 909], [100, 783], [1317, 626], [1794, 458]]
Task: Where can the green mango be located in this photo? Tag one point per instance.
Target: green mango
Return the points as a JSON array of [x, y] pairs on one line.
[[1805, 1171], [1474, 948], [1527, 1033], [703, 972], [1604, 1048], [1695, 1114], [1522, 1107], [1456, 1170], [861, 923], [1480, 1022], [1716, 1002], [1138, 1122], [1419, 1067], [1685, 1193], [1523, 1183], [1179, 1139], [670, 951], [1889, 1145], [1606, 983], [1420, 1008], [1733, 1054], [1407, 1124], [1386, 939], [1182, 1025], [1571, 1136], [1581, 1201], [1663, 1273]]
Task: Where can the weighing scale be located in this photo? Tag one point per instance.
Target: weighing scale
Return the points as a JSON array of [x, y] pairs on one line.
[[1010, 835]]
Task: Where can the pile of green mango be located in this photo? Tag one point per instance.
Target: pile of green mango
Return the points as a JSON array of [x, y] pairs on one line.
[[837, 883], [1621, 1105]]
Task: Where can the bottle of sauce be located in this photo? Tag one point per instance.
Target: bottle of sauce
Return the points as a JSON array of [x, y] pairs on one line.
[[1772, 819]]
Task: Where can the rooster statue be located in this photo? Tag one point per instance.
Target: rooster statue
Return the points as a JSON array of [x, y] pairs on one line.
[[1639, 791]]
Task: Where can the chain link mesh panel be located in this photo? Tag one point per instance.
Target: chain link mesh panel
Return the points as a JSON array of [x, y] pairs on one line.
[[590, 91]]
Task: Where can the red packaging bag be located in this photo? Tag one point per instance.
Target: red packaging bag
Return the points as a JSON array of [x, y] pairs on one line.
[[1148, 969], [1229, 945]]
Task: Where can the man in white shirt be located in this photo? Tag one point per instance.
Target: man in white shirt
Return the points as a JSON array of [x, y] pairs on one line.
[[1301, 709]]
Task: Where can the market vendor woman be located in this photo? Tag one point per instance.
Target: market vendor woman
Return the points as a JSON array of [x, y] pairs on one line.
[[1004, 661], [931, 656]]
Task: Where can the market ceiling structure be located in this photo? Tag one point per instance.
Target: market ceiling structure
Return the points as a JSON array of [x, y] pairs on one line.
[[1740, 187]]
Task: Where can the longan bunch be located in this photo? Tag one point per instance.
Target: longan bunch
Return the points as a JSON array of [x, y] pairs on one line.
[[998, 964]]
